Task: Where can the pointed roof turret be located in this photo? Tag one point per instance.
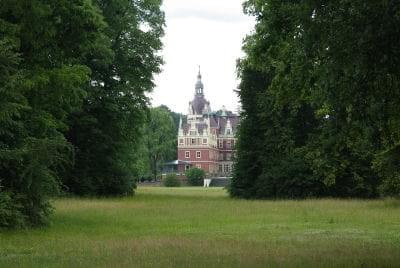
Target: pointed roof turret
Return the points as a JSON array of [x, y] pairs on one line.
[[199, 85], [199, 105]]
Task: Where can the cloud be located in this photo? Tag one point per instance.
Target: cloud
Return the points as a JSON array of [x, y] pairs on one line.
[[211, 10], [206, 14], [207, 33]]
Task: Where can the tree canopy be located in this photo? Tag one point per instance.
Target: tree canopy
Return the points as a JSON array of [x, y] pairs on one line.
[[158, 142], [72, 99], [320, 99]]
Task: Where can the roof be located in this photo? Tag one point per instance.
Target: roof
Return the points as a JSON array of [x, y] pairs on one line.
[[216, 121], [198, 104], [234, 119]]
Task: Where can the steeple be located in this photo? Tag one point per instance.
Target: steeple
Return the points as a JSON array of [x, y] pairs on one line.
[[199, 85]]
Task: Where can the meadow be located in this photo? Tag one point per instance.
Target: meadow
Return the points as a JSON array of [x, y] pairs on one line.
[[196, 227]]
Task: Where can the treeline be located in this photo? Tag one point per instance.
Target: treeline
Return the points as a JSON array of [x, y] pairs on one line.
[[321, 100], [159, 143], [73, 78]]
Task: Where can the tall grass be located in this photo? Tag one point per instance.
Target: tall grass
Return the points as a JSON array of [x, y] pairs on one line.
[[197, 227]]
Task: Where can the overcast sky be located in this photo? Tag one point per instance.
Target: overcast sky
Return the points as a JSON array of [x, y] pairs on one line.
[[208, 33]]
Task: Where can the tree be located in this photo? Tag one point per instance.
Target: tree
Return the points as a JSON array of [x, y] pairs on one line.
[[176, 118], [159, 138], [107, 130], [43, 77], [315, 87]]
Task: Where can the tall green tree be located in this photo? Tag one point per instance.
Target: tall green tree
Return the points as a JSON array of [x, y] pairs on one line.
[[106, 132], [159, 139], [177, 117], [43, 44], [326, 98]]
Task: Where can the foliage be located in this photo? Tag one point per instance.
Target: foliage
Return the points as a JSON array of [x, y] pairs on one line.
[[176, 118], [106, 132], [11, 215], [387, 165], [42, 81], [172, 181], [195, 176], [158, 142], [73, 78], [320, 99]]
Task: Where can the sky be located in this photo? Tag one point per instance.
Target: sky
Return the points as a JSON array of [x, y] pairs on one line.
[[208, 33]]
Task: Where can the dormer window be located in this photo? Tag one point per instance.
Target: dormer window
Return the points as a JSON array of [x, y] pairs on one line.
[[220, 144]]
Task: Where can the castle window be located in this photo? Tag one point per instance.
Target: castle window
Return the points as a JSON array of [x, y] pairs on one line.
[[192, 133], [228, 144], [198, 154], [198, 166], [220, 143], [181, 141], [204, 141], [193, 141], [228, 132], [187, 154], [226, 168], [220, 168]]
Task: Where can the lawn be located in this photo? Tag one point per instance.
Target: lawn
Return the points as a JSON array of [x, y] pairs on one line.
[[196, 227]]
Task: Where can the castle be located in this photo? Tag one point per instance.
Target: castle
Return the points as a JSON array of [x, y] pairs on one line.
[[207, 139]]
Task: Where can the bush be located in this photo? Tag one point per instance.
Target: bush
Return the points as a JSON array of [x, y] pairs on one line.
[[10, 212], [195, 176], [172, 181], [390, 187]]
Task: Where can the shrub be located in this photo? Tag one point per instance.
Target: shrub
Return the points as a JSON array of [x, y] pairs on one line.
[[10, 212], [390, 187], [195, 176], [172, 181]]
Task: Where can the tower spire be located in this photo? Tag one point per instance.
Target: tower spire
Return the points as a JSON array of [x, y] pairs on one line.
[[199, 85]]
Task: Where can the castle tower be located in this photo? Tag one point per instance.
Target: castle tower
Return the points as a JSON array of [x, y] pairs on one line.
[[206, 140]]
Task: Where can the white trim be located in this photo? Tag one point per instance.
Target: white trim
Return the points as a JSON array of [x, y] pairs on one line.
[[196, 161]]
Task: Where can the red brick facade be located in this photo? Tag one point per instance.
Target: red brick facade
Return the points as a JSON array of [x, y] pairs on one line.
[[207, 139]]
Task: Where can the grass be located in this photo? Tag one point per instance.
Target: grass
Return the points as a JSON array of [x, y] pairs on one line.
[[196, 227]]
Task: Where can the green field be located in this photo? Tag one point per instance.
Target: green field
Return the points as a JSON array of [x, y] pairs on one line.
[[196, 227]]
